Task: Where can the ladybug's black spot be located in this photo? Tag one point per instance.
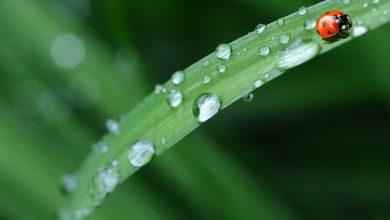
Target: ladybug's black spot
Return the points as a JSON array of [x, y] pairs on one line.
[[327, 12], [329, 32], [323, 24]]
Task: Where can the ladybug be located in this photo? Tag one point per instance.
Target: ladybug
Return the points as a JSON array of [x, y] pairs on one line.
[[334, 25]]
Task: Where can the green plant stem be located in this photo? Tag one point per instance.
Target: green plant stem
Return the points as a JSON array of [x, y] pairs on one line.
[[153, 119]]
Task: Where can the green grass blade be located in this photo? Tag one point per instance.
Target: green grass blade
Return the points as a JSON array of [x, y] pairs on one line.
[[155, 121]]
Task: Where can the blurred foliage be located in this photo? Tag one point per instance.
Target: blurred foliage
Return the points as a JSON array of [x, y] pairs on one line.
[[314, 144]]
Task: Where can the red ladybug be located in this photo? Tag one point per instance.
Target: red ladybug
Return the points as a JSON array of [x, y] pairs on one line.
[[334, 25]]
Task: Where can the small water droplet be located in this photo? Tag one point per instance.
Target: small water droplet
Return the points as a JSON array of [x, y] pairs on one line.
[[310, 24], [100, 148], [140, 153], [244, 49], [298, 53], [163, 141], [175, 98], [69, 183], [206, 63], [114, 163], [248, 97], [302, 11], [365, 4], [376, 1], [284, 39], [280, 21], [264, 51], [206, 106], [223, 51], [81, 213], [103, 182], [222, 69], [258, 83], [359, 31], [260, 28], [178, 77], [112, 126], [346, 1], [206, 79], [159, 89]]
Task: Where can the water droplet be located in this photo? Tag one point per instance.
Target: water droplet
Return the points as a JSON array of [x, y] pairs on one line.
[[248, 97], [310, 24], [206, 106], [206, 63], [258, 83], [100, 148], [223, 51], [159, 89], [222, 69], [206, 79], [163, 141], [280, 21], [69, 183], [112, 126], [264, 51], [102, 183], [302, 11], [178, 77], [284, 39], [376, 1], [114, 163], [81, 213], [359, 31], [260, 28], [365, 4], [298, 53], [140, 153], [68, 50], [346, 1], [175, 98]]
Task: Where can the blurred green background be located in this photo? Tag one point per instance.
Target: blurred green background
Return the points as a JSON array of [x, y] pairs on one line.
[[313, 144]]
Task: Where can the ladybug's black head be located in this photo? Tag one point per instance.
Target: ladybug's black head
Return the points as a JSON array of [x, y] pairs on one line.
[[345, 23]]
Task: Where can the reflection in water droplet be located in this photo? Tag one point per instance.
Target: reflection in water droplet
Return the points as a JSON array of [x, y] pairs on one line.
[[178, 77], [69, 183], [264, 51], [260, 28], [248, 97], [140, 153], [358, 31], [206, 106], [112, 126], [223, 51], [175, 98], [222, 69], [68, 50], [302, 11], [298, 53]]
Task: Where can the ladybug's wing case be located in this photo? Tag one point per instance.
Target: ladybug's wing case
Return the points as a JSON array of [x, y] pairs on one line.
[[327, 25]]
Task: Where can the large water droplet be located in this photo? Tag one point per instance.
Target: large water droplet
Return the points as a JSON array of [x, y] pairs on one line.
[[298, 53], [284, 39], [112, 126], [178, 77], [310, 24], [103, 182], [248, 97], [358, 31], [222, 69], [223, 51], [260, 28], [69, 183], [302, 11], [206, 106], [140, 153], [264, 51], [175, 98]]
